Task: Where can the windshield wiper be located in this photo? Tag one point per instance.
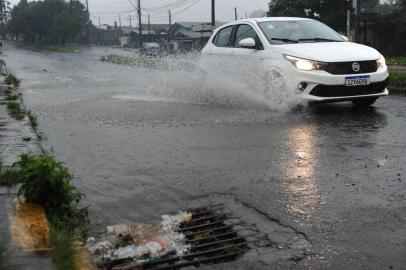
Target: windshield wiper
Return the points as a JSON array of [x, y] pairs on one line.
[[318, 39], [285, 40]]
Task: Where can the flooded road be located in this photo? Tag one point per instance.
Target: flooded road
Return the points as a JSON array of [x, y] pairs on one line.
[[144, 142]]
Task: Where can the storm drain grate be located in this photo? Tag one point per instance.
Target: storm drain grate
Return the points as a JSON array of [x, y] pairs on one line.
[[214, 236]]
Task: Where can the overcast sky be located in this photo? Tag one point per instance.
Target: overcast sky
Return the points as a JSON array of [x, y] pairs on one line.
[[182, 10]]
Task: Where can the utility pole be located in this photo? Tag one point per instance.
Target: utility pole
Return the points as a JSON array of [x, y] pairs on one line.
[[246, 15], [119, 21], [235, 13], [139, 24], [89, 23], [130, 19], [170, 24], [213, 13], [99, 22], [357, 20], [170, 18], [149, 25]]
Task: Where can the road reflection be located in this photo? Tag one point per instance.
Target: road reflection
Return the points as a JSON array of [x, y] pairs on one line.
[[358, 127], [300, 185]]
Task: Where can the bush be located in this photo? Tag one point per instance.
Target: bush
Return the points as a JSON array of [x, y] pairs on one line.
[[47, 182], [12, 80]]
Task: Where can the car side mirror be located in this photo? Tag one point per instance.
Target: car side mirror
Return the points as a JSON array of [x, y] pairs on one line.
[[345, 38], [248, 43]]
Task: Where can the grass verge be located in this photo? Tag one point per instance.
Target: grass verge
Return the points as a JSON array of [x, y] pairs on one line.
[[396, 60], [12, 80], [15, 110], [59, 48], [397, 78]]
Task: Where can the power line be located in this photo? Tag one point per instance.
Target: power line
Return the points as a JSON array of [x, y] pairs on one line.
[[176, 11]]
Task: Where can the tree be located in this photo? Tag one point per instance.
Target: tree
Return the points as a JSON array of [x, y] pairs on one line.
[[65, 25], [18, 14], [48, 21], [331, 12]]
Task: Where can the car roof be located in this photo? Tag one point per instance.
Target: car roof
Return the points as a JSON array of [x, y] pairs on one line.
[[271, 19], [267, 19]]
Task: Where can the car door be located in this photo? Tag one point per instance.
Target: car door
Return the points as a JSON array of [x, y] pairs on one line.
[[217, 55], [247, 62]]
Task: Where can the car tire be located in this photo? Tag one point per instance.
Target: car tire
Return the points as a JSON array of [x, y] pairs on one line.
[[364, 102]]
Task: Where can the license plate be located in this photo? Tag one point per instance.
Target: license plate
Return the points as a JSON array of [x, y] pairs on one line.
[[357, 80]]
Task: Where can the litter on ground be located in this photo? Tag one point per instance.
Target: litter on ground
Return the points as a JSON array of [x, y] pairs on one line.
[[140, 242], [200, 236]]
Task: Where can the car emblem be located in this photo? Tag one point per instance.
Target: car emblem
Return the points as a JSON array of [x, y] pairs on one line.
[[356, 66]]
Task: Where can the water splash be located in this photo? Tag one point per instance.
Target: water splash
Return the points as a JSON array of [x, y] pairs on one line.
[[193, 78]]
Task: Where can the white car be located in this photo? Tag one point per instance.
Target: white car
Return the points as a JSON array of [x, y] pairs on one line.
[[311, 58]]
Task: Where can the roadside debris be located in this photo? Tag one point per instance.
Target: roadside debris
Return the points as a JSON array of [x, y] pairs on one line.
[[198, 236], [140, 242]]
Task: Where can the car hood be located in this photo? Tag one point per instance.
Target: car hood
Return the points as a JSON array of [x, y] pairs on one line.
[[329, 51]]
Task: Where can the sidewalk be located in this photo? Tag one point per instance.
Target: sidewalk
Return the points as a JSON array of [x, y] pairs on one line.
[[16, 137]]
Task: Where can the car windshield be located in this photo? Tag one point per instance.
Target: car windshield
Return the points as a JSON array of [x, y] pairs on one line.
[[300, 31], [150, 45]]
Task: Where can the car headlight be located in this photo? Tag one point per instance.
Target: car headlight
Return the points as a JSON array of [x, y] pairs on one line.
[[381, 62], [304, 64]]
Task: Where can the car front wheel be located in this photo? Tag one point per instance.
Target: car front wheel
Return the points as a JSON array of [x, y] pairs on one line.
[[364, 102]]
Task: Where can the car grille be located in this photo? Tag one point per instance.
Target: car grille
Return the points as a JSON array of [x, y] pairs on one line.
[[341, 68], [343, 91]]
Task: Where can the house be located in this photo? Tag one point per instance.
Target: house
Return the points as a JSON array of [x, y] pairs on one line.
[[188, 36], [150, 33]]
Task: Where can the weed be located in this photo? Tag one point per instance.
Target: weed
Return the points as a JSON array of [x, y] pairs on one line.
[[11, 97], [12, 80], [8, 176], [15, 110], [33, 120], [63, 248]]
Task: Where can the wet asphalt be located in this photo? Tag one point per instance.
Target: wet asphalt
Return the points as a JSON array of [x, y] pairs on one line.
[[139, 147]]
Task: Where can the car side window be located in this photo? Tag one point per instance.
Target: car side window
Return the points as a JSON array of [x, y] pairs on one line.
[[222, 38], [244, 31]]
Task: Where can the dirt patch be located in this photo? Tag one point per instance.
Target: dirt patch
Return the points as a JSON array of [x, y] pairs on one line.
[[29, 227]]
